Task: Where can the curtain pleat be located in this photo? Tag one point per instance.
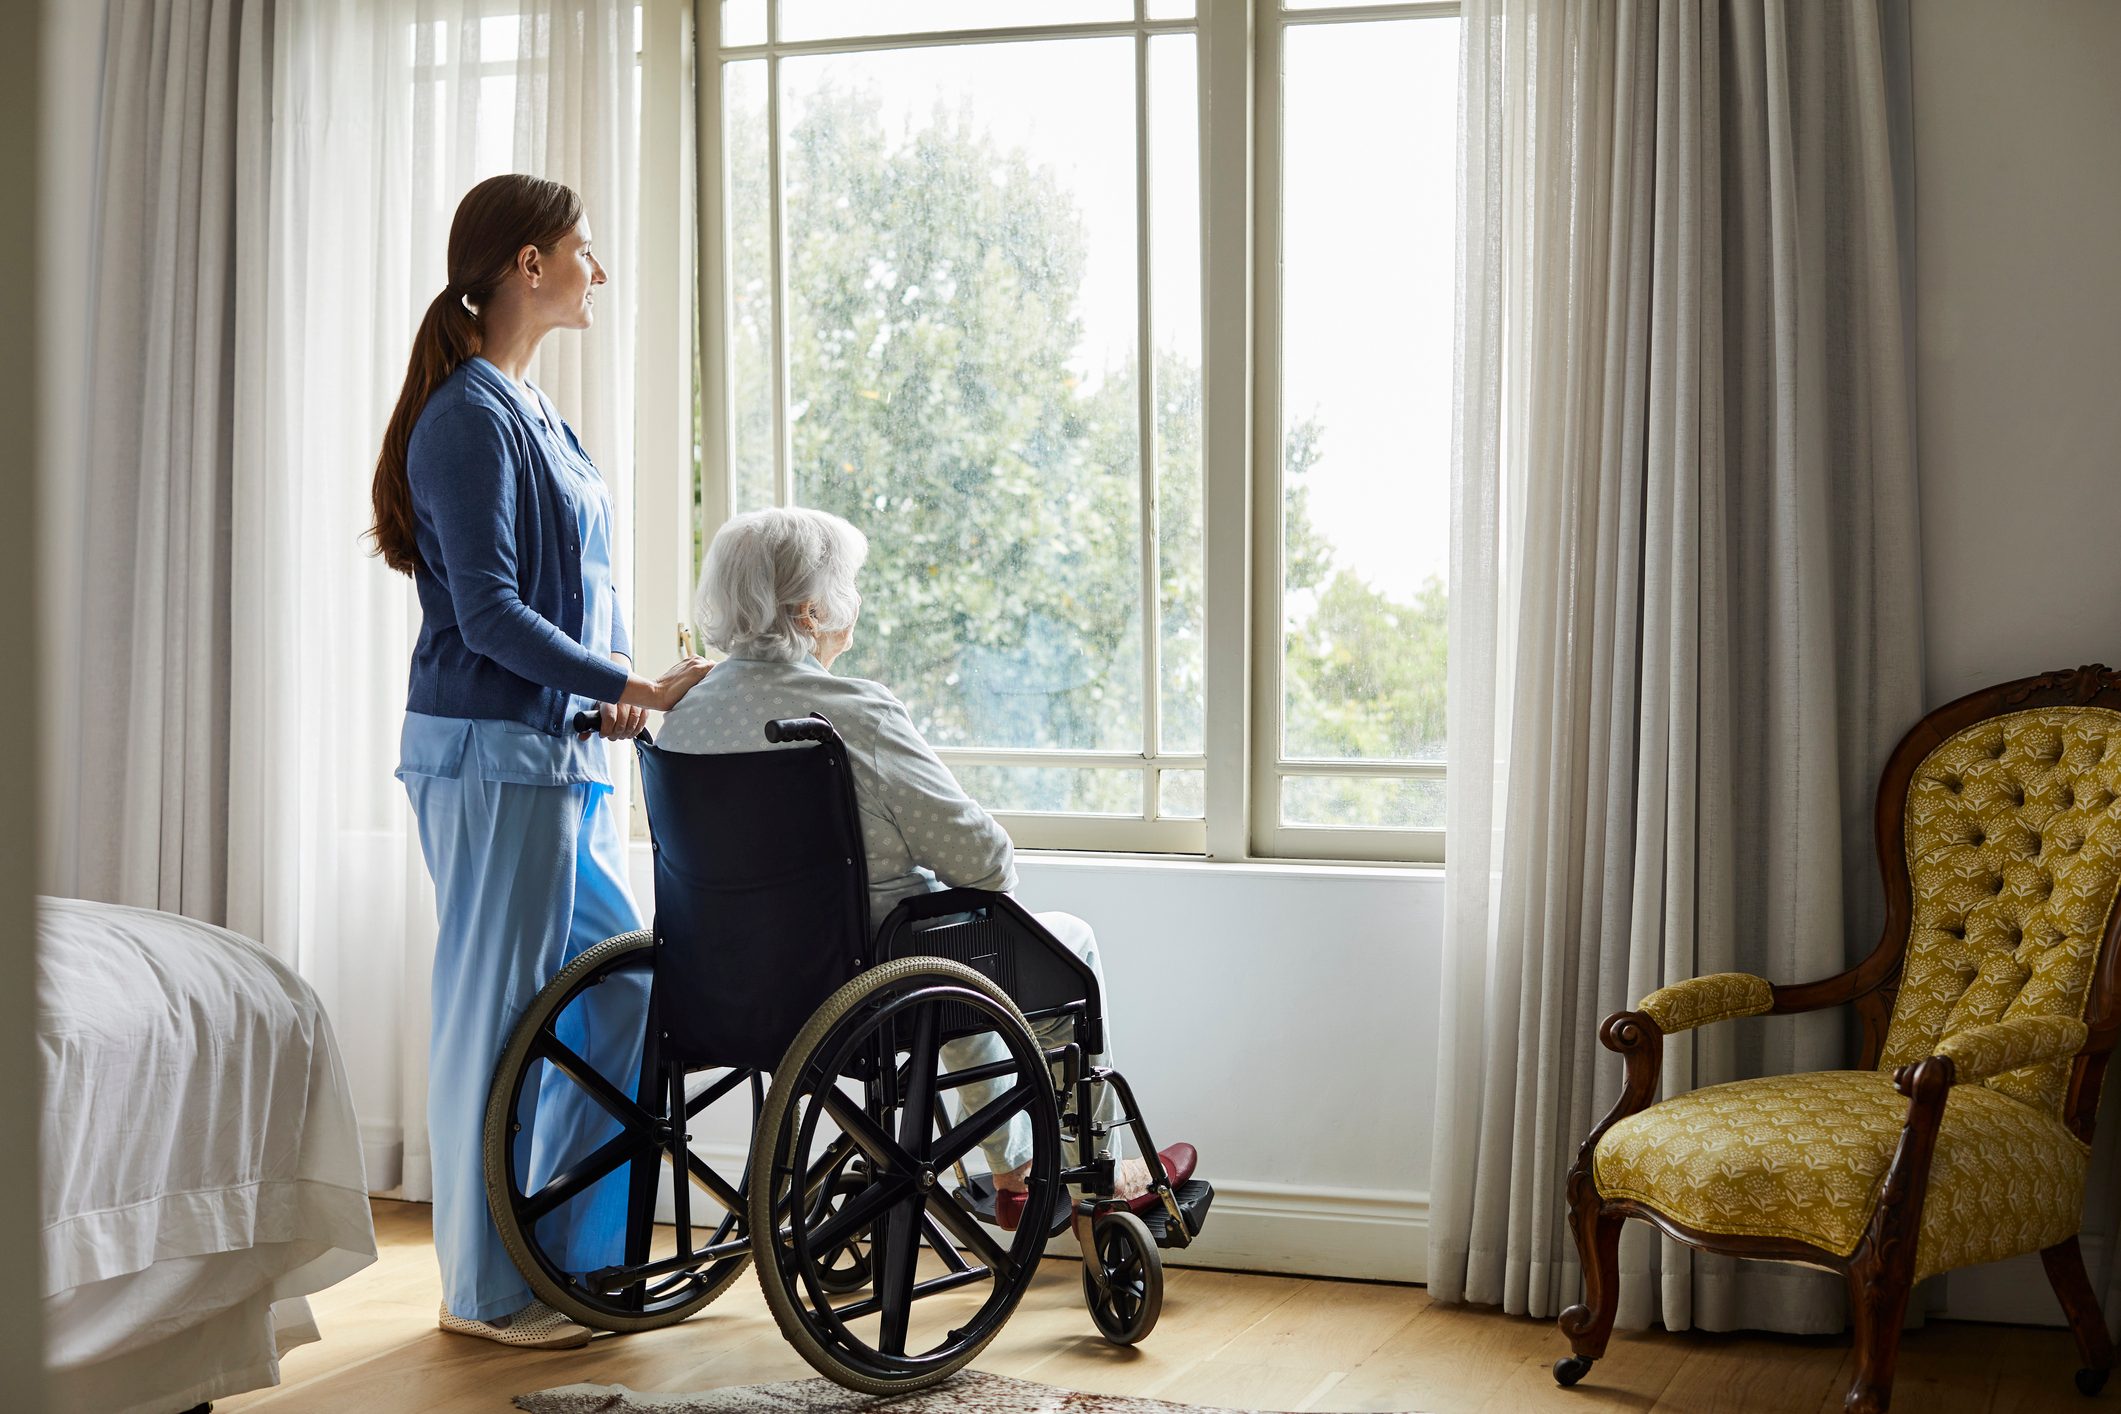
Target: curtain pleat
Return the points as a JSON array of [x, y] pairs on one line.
[[1684, 596], [276, 180]]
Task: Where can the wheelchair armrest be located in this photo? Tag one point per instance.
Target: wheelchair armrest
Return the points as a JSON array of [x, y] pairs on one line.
[[1046, 974], [921, 907]]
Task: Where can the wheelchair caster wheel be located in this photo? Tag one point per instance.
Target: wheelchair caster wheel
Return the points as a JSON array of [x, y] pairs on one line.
[[1126, 1305], [2091, 1381], [1569, 1369], [847, 1268]]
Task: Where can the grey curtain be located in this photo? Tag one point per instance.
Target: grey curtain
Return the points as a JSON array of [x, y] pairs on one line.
[[140, 745], [1685, 590]]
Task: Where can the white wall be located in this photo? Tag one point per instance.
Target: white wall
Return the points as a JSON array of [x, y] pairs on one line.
[[2018, 335], [1282, 1019], [2018, 347]]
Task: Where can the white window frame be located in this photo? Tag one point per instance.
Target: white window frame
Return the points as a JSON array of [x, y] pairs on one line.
[[1239, 49]]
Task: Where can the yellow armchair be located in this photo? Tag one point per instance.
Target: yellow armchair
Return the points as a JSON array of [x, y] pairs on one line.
[[1988, 1011]]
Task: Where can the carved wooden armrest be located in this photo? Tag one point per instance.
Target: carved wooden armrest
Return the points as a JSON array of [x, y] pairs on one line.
[[1702, 1001], [1982, 1051]]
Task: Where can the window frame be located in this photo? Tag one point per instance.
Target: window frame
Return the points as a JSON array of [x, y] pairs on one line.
[[1238, 48]]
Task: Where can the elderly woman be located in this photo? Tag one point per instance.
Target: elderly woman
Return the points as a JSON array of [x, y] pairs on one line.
[[777, 596]]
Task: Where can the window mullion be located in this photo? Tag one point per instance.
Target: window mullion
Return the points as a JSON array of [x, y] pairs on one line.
[[717, 422], [1226, 117], [783, 472], [1145, 405]]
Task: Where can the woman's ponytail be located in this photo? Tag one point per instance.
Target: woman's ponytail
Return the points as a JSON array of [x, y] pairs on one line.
[[448, 335], [494, 221]]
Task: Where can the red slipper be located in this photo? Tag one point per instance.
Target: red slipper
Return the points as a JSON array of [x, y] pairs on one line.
[[1179, 1162]]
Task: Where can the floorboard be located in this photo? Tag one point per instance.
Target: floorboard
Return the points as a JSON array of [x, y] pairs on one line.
[[1260, 1342]]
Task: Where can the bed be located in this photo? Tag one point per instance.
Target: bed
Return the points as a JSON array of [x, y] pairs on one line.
[[200, 1161]]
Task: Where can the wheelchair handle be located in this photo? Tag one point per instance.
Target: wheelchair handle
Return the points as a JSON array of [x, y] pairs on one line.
[[811, 728], [590, 721]]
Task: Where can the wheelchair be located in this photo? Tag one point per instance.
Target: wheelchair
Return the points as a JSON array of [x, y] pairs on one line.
[[773, 1012]]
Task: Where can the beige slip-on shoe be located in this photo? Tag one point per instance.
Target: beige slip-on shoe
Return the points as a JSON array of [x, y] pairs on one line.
[[535, 1327]]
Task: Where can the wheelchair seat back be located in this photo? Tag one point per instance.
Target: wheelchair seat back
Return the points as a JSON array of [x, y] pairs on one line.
[[761, 893]]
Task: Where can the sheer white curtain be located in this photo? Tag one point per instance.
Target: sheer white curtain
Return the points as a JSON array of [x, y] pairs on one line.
[[1685, 599], [384, 113]]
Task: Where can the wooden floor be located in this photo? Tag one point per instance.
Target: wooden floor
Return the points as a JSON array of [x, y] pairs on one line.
[[1257, 1342]]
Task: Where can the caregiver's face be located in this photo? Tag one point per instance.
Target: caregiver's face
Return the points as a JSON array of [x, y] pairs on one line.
[[570, 274]]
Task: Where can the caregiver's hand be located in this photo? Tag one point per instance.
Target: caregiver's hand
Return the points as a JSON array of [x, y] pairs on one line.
[[666, 691], [620, 723]]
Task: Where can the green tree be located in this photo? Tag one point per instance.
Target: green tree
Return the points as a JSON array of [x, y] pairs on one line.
[[935, 400]]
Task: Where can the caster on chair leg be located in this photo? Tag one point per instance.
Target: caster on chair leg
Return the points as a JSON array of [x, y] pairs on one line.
[[2091, 1381], [1569, 1369]]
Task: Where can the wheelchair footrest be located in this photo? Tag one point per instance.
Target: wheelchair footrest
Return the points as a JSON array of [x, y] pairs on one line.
[[1195, 1196]]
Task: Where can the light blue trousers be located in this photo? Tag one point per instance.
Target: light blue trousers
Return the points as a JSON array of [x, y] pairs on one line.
[[526, 878]]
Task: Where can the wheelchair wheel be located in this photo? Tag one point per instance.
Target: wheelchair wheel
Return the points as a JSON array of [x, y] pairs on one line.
[[656, 1281], [865, 1071], [1125, 1306]]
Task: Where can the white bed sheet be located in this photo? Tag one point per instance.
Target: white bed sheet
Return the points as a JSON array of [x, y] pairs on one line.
[[200, 1158]]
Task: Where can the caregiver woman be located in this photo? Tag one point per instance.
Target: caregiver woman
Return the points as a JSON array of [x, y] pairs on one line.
[[484, 496]]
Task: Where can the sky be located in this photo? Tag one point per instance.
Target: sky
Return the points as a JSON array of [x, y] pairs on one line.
[[1368, 171]]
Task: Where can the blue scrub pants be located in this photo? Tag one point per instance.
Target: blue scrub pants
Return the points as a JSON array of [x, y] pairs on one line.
[[526, 878]]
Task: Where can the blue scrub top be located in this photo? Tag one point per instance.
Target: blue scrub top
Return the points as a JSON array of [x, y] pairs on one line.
[[493, 750]]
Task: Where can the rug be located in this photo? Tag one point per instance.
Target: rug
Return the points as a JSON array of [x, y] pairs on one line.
[[971, 1392]]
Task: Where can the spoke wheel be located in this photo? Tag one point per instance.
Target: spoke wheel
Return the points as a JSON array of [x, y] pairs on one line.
[[865, 1071], [537, 1062], [1126, 1305]]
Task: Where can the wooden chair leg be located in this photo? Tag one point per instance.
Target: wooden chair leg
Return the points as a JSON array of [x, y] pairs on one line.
[[1877, 1309], [1589, 1324], [2073, 1287]]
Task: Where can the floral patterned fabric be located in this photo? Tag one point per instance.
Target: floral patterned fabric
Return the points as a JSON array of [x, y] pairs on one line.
[[1700, 1001], [1981, 1051], [2014, 851], [1802, 1156]]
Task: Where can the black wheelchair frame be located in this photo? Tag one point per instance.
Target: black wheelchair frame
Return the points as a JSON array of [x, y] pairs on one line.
[[760, 963]]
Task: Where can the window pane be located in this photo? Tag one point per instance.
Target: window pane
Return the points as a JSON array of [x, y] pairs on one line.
[[962, 315], [1174, 264], [498, 36], [743, 22], [1368, 801], [1068, 790], [830, 19], [1368, 163], [1170, 9], [749, 222], [1185, 795]]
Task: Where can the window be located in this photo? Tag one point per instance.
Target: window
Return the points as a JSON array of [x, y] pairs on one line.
[[978, 279]]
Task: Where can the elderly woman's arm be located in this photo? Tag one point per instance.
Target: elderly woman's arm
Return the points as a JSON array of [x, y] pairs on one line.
[[946, 830]]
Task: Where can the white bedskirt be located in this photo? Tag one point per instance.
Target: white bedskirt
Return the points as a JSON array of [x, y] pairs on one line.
[[200, 1159]]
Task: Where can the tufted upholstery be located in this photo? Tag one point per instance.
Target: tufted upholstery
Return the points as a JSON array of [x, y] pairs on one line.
[[2013, 830], [1802, 1156]]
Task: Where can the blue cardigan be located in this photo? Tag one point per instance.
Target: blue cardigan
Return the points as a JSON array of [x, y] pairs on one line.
[[500, 572]]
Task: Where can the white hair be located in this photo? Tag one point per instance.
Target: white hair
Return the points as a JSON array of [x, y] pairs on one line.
[[764, 567]]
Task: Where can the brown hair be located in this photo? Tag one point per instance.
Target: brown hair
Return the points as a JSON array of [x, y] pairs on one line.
[[494, 221]]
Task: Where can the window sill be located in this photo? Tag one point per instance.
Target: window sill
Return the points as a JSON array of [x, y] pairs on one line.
[[1195, 864]]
